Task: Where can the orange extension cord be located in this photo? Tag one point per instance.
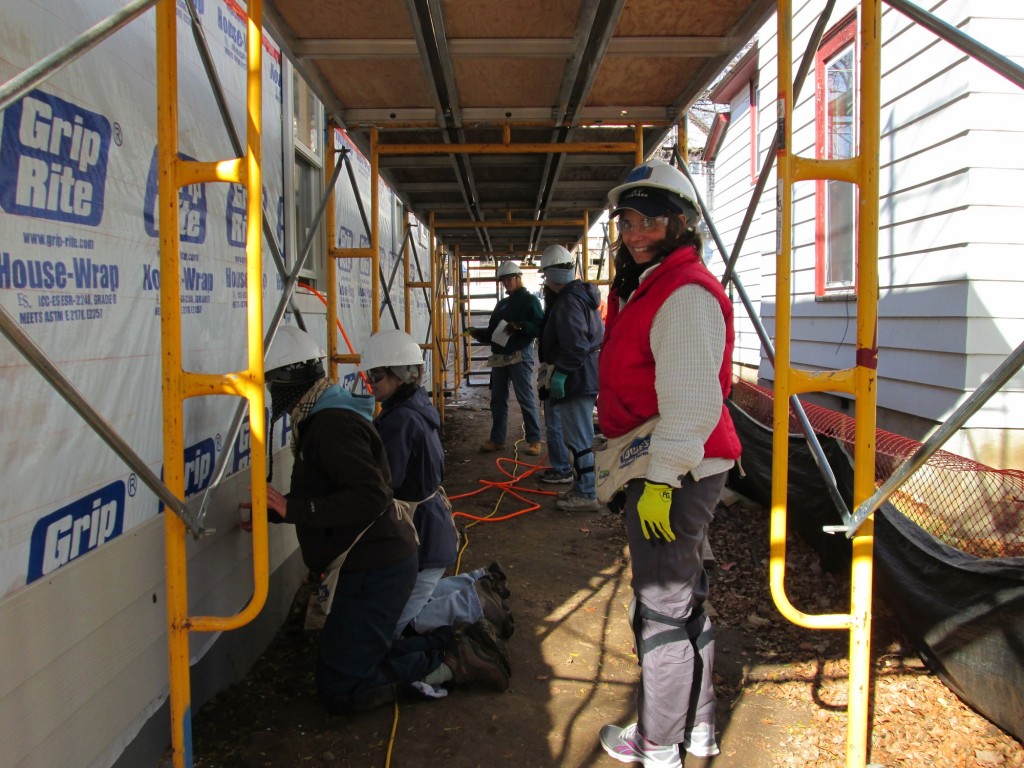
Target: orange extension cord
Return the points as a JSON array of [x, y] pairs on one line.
[[344, 334]]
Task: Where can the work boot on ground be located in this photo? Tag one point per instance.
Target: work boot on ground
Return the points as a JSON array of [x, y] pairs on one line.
[[485, 634], [627, 745], [472, 664], [555, 477], [490, 446], [577, 502], [533, 449], [498, 580], [495, 610]]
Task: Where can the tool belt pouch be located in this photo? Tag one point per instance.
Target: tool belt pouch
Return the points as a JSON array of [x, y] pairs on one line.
[[624, 458], [329, 579], [499, 360]]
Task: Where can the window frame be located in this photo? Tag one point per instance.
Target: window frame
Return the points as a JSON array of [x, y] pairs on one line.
[[302, 156], [841, 37]]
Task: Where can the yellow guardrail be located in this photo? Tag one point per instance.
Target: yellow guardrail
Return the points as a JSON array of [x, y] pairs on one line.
[[859, 381], [179, 384]]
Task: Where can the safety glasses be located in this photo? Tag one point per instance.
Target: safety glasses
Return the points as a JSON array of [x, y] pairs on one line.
[[376, 374], [646, 224]]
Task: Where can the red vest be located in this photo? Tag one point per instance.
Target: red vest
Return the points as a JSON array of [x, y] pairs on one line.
[[626, 367]]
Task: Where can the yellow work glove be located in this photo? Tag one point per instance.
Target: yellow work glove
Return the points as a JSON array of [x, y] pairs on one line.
[[653, 508]]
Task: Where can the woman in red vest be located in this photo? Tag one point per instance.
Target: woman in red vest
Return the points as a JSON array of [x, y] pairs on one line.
[[665, 371]]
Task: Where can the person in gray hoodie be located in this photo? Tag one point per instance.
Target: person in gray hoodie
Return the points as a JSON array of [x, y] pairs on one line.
[[569, 345]]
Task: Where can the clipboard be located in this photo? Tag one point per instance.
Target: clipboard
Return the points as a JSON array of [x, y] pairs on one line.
[[501, 334]]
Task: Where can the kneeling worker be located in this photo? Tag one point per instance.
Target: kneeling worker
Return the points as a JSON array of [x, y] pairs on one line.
[[349, 529]]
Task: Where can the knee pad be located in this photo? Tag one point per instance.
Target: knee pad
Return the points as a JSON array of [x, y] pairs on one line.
[[576, 456], [689, 629]]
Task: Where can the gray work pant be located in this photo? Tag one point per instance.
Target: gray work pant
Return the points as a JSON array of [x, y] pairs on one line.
[[676, 690]]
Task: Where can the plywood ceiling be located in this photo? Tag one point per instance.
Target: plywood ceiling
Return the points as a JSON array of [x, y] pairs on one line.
[[558, 72]]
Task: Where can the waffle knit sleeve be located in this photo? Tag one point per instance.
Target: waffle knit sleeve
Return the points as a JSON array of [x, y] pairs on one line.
[[688, 341]]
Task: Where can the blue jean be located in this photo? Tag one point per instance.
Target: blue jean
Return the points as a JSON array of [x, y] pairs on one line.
[[360, 665], [577, 417], [440, 601], [558, 456], [520, 376], [454, 602]]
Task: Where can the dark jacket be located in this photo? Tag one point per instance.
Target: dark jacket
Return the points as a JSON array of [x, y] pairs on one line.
[[340, 484], [572, 336], [408, 425], [520, 307]]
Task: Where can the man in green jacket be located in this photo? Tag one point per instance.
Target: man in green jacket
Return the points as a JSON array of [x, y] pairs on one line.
[[514, 324]]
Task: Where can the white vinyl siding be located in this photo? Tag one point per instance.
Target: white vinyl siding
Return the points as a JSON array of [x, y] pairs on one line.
[[951, 187]]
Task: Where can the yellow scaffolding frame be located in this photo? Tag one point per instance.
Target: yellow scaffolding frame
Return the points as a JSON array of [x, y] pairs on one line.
[[444, 344], [179, 384], [859, 381]]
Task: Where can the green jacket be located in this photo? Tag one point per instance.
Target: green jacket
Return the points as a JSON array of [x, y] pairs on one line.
[[520, 307]]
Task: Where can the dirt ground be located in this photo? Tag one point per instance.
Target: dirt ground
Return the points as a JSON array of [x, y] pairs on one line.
[[782, 689]]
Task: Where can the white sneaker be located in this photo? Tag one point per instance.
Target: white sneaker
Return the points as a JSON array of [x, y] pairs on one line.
[[700, 741], [627, 746]]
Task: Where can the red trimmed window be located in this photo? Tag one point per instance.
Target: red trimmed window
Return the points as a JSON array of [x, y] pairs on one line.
[[754, 169], [835, 220]]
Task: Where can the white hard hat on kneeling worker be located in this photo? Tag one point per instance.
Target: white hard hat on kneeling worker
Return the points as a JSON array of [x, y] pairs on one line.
[[389, 348], [293, 356]]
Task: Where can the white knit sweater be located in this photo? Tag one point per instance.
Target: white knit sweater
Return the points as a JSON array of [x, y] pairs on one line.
[[688, 341]]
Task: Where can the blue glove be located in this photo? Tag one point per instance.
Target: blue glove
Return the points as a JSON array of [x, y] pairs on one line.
[[653, 508], [558, 385]]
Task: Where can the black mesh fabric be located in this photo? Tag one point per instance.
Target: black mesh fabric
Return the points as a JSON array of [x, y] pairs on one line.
[[963, 613]]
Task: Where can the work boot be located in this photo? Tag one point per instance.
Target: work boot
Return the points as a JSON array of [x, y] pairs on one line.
[[555, 477], [472, 664], [577, 502], [495, 610], [498, 580], [490, 446], [485, 634], [627, 745], [533, 449]]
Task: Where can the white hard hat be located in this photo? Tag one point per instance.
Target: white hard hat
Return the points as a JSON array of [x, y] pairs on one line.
[[555, 254], [290, 346], [509, 268], [655, 189], [390, 348]]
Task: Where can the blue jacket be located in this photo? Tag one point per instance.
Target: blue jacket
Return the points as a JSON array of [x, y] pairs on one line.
[[408, 425], [571, 336]]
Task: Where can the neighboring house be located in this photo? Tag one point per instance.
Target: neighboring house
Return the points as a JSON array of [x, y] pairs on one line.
[[951, 201]]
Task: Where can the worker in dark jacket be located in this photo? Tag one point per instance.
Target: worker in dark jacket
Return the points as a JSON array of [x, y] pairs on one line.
[[408, 425], [351, 532], [569, 346], [514, 324]]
